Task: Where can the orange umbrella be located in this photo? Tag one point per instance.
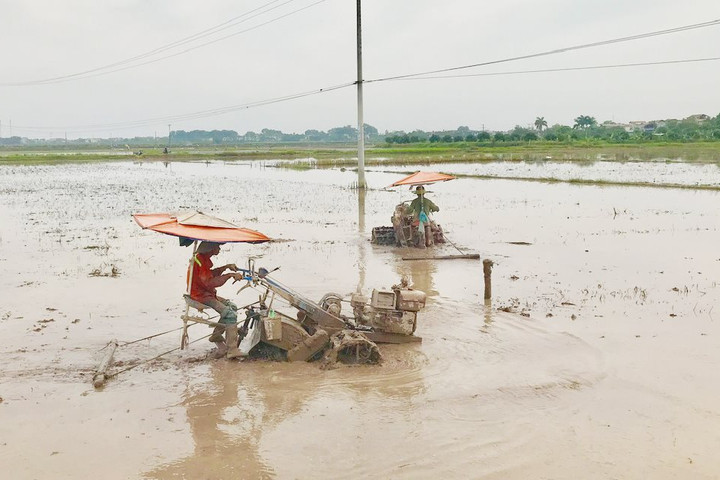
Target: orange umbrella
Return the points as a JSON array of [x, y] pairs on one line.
[[423, 178], [198, 226]]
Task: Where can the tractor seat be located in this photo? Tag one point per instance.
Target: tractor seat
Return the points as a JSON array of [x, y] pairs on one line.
[[194, 303]]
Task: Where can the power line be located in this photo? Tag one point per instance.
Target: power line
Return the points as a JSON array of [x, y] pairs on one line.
[[132, 61], [566, 69], [556, 51], [417, 76], [210, 31], [188, 116], [228, 109]]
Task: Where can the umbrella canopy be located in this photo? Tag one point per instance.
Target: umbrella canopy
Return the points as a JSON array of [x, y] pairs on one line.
[[423, 178], [198, 226]]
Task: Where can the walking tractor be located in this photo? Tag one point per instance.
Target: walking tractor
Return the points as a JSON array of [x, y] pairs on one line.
[[321, 329], [308, 330], [411, 222]]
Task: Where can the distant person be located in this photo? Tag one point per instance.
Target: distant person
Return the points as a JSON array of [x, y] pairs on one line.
[[203, 288], [165, 150], [421, 208]]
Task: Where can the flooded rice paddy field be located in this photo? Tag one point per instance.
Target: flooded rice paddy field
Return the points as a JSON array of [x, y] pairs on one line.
[[597, 357], [631, 172]]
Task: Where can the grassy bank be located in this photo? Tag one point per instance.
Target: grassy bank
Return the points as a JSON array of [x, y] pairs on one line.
[[329, 155]]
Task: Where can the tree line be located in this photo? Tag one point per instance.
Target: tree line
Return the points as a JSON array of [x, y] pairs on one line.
[[691, 129]]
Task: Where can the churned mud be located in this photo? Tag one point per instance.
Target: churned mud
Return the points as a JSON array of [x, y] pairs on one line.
[[596, 358]]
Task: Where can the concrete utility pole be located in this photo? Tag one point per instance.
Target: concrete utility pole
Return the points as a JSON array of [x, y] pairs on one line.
[[361, 126]]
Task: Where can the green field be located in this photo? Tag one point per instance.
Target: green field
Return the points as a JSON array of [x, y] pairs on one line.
[[331, 155]]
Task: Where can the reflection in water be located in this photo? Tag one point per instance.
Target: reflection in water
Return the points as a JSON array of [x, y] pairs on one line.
[[227, 415], [362, 243], [488, 312], [420, 274]]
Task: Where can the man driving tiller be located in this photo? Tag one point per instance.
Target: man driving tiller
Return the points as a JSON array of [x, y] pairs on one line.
[[203, 288]]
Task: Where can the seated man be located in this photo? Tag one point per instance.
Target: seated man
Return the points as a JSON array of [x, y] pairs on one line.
[[203, 288], [421, 207]]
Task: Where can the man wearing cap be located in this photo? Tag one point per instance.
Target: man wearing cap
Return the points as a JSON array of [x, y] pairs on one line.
[[203, 288], [421, 207]]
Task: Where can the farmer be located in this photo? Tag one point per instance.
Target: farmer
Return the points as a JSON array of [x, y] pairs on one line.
[[203, 288], [421, 207]]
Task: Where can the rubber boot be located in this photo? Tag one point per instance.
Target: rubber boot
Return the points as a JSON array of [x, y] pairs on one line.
[[231, 332], [217, 334], [221, 351]]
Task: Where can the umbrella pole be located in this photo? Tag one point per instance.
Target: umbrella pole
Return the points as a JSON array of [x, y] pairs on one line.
[[184, 339]]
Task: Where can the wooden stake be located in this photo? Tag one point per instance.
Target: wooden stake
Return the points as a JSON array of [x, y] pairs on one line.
[[99, 378], [487, 271]]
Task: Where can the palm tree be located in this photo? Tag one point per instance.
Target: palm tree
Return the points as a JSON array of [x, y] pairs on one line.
[[540, 123], [584, 121]]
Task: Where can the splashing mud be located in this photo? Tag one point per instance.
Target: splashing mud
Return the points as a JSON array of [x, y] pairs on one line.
[[612, 371]]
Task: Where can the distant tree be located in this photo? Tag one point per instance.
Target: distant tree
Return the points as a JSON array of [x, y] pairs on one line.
[[457, 138], [619, 135], [540, 123], [224, 136], [470, 137], [251, 137], [483, 136], [447, 138], [558, 132], [421, 135], [529, 136], [520, 133], [500, 137], [551, 136], [434, 138], [269, 135], [370, 130], [291, 137], [343, 134], [11, 140], [315, 136], [584, 122]]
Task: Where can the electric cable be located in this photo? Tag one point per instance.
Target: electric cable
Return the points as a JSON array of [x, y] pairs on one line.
[[556, 51], [229, 109], [419, 75], [123, 64], [568, 69]]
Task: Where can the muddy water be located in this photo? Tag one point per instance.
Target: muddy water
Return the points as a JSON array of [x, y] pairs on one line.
[[658, 172], [597, 357]]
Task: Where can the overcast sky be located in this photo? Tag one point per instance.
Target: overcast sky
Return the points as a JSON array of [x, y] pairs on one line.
[[314, 48]]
